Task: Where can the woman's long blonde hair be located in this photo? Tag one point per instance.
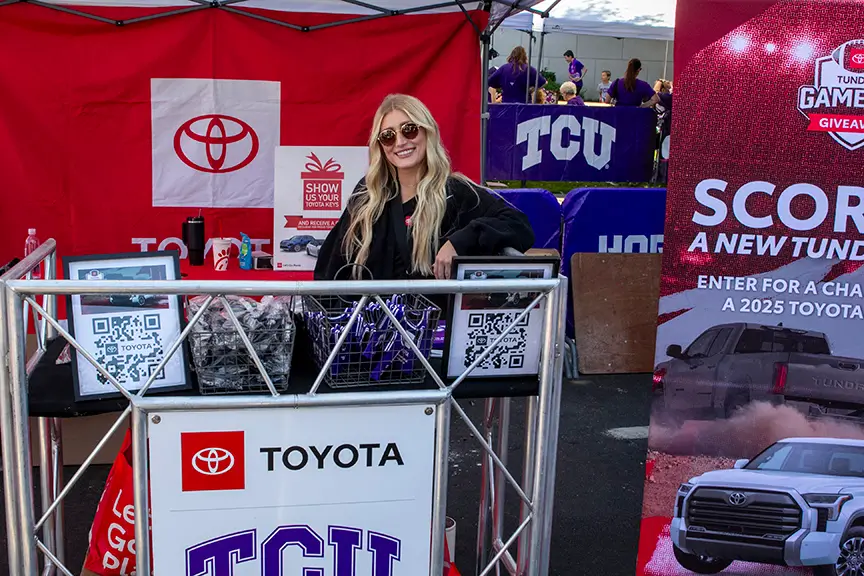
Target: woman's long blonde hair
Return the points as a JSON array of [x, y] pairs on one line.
[[381, 178]]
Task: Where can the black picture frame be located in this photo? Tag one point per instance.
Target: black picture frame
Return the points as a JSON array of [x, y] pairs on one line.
[[171, 260], [454, 302]]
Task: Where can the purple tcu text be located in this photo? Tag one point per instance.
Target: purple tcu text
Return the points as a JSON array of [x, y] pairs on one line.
[[217, 557]]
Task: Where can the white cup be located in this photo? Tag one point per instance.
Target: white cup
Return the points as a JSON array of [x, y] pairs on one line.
[[221, 253]]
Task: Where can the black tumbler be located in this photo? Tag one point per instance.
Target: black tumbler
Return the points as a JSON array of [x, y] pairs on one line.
[[193, 237]]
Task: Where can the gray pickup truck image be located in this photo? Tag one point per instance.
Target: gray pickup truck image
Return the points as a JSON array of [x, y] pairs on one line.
[[798, 503], [730, 365]]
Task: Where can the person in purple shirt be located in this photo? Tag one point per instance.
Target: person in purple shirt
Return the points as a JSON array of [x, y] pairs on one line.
[[630, 91], [514, 78], [576, 69], [569, 92]]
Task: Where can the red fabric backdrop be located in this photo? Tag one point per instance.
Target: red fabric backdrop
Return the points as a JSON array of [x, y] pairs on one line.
[[75, 108]]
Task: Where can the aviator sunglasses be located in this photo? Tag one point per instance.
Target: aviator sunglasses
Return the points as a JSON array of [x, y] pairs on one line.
[[409, 131]]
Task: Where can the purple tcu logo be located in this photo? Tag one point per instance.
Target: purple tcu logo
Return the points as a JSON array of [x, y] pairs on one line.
[[218, 557]]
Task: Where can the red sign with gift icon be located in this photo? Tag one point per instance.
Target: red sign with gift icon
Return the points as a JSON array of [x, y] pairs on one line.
[[322, 184]]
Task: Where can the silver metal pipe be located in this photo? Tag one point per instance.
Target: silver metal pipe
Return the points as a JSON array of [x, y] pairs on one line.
[[528, 98], [491, 348], [492, 454], [30, 262], [46, 485], [83, 467], [500, 483], [277, 288], [507, 545], [57, 464], [141, 477], [523, 553], [80, 349], [550, 354], [53, 559], [175, 346], [249, 348], [386, 398], [406, 338], [50, 300], [21, 435], [540, 58], [439, 486], [483, 513], [8, 431], [507, 559], [339, 343], [554, 422]]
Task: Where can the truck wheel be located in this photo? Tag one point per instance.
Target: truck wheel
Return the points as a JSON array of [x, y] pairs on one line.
[[700, 564], [851, 560]]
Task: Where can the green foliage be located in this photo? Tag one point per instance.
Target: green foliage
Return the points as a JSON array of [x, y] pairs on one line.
[[551, 80]]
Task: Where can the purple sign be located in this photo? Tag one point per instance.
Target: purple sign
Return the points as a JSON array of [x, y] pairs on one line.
[[570, 143], [219, 556]]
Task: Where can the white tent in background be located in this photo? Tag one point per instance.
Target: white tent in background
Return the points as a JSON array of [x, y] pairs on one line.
[[647, 20]]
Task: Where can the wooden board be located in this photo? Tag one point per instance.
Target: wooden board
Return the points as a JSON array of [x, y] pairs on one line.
[[615, 301]]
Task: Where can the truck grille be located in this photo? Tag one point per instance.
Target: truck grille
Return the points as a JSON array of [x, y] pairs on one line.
[[769, 517]]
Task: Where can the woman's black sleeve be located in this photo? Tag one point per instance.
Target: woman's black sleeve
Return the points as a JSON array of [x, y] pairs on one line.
[[491, 226], [331, 256]]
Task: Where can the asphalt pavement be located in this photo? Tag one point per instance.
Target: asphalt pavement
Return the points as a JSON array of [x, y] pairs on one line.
[[598, 494]]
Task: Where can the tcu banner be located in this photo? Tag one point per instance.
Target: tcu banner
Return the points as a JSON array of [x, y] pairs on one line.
[[567, 143], [253, 493], [756, 445], [127, 130]]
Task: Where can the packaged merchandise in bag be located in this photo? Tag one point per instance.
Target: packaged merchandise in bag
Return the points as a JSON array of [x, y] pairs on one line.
[[112, 536]]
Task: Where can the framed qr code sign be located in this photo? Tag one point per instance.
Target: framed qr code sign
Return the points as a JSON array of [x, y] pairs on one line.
[[127, 334], [477, 320]]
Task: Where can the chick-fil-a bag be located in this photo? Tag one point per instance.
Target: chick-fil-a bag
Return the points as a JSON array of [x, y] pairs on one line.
[[112, 536]]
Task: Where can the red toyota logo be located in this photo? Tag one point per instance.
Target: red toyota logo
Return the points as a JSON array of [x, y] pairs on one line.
[[858, 58], [216, 132]]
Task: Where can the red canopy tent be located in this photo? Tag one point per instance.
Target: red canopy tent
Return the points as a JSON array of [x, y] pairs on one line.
[[79, 82]]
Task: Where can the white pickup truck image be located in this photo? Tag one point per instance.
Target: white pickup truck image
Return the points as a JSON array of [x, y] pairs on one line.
[[730, 365], [798, 503]]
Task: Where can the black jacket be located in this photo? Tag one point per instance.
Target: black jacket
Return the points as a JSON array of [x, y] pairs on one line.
[[476, 222]]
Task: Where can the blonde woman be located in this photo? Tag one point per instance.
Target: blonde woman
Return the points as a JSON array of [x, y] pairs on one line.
[[412, 214]]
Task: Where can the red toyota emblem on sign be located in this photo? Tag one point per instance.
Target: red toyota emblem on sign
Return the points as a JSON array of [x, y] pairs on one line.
[[213, 461], [216, 132], [856, 58]]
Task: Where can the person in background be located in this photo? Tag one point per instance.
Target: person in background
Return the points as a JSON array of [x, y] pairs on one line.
[[540, 96], [514, 78], [576, 70], [411, 213], [605, 83], [663, 88], [568, 91], [630, 91]]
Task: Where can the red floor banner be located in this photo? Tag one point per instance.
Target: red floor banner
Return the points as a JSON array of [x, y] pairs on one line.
[[756, 445], [111, 136]]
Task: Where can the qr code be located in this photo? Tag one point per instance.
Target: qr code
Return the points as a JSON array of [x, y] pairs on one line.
[[484, 328], [129, 347]]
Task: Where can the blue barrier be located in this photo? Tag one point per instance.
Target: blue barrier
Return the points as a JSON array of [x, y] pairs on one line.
[[570, 143], [610, 220], [543, 211]]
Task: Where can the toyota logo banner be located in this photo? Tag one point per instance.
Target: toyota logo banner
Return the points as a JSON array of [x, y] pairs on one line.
[[756, 442], [125, 131], [256, 493]]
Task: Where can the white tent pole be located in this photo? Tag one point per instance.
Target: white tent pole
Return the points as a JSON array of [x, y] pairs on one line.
[[528, 72], [666, 60]]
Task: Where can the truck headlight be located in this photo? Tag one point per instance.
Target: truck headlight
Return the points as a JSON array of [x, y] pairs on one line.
[[832, 502], [685, 488]]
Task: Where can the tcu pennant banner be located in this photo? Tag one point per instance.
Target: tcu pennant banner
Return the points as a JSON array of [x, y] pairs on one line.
[[565, 143], [756, 444], [258, 494], [127, 130]]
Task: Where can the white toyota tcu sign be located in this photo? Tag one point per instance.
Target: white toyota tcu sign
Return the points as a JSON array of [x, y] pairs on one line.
[[276, 492]]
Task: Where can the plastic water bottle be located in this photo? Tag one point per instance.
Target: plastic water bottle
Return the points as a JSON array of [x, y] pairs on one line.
[[30, 246]]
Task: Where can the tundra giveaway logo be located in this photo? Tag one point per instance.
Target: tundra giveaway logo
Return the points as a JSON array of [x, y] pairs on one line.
[[835, 102]]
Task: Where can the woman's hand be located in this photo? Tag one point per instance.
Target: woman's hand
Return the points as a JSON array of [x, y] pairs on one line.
[[444, 261]]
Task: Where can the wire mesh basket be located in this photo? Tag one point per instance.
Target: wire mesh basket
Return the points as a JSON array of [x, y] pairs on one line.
[[374, 352], [221, 359]]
